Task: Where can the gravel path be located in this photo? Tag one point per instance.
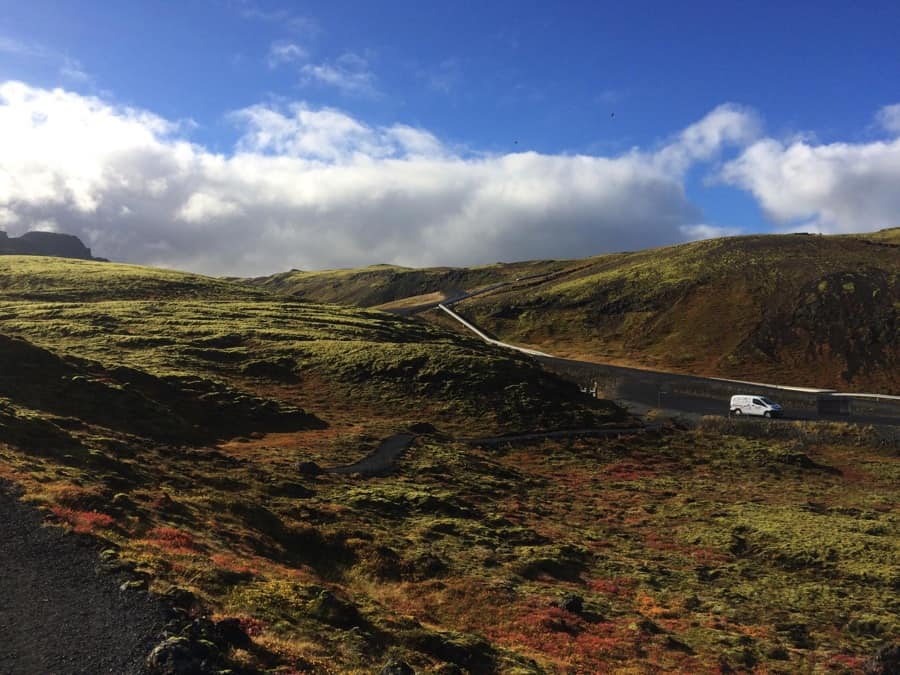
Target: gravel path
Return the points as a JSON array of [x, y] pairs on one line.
[[57, 615], [381, 460]]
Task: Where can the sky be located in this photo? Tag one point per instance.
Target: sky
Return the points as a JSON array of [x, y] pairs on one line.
[[247, 137]]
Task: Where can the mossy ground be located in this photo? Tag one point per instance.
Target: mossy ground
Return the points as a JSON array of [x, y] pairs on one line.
[[692, 551], [816, 310]]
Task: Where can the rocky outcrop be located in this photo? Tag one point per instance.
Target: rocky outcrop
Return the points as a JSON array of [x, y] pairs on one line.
[[45, 243]]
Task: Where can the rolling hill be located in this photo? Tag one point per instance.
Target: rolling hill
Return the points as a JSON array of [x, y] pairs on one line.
[[794, 309], [187, 425]]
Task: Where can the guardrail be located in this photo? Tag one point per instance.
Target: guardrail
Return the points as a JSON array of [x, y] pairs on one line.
[[827, 393]]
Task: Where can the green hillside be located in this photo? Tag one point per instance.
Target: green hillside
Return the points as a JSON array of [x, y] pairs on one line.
[[380, 284], [173, 323], [805, 309], [823, 311]]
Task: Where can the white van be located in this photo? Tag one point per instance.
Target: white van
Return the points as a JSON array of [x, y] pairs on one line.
[[755, 405]]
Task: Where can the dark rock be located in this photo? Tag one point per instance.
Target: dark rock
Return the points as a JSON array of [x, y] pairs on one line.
[[886, 661], [677, 645], [425, 566], [572, 603], [397, 667], [649, 627], [202, 630], [797, 634], [180, 598], [328, 608], [233, 633], [469, 652], [423, 428], [778, 653], [177, 656], [280, 369], [309, 468]]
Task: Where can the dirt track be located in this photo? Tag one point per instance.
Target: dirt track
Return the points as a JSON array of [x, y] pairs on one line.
[[381, 460], [57, 615]]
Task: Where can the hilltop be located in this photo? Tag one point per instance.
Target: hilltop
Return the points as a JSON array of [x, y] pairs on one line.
[[45, 244], [805, 309], [381, 284]]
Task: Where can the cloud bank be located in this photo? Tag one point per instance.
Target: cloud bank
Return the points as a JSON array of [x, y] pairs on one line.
[[317, 188], [830, 188]]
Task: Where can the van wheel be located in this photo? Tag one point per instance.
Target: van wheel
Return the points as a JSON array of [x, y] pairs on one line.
[[767, 414], [736, 412]]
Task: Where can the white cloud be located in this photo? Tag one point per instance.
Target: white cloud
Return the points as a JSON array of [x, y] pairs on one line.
[[315, 188], [285, 19], [349, 73], [726, 125], [285, 52], [837, 187], [68, 68], [443, 78], [889, 118], [16, 47]]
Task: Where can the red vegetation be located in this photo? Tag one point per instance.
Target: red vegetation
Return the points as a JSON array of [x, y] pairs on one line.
[[628, 470], [620, 586], [172, 540], [85, 522], [571, 641]]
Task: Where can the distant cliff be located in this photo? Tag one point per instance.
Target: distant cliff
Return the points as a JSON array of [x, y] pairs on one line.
[[45, 243]]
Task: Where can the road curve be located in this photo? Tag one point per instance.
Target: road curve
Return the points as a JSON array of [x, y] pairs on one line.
[[702, 395]]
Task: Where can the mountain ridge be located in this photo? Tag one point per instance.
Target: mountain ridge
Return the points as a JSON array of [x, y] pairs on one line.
[[52, 244]]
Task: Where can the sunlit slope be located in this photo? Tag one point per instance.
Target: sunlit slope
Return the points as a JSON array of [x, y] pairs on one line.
[[70, 280], [380, 284], [170, 324], [792, 308]]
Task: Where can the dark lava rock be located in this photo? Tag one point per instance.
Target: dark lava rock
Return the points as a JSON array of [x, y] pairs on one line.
[[309, 469], [233, 633], [180, 598], [572, 603], [885, 662], [177, 656], [423, 428], [328, 608], [397, 667]]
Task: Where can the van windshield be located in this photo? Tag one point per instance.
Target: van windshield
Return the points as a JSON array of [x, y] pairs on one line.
[[766, 401]]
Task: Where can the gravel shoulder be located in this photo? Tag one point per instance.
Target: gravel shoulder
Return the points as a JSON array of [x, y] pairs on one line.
[[57, 614]]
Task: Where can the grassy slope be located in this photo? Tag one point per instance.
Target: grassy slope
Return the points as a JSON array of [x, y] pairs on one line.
[[805, 309], [799, 309], [382, 284], [171, 429]]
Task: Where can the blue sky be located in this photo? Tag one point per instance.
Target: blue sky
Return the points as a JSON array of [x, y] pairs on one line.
[[778, 117]]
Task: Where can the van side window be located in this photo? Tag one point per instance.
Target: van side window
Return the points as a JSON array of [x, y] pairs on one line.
[[756, 401]]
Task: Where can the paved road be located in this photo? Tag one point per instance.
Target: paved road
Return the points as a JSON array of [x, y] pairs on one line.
[[696, 395], [709, 396]]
